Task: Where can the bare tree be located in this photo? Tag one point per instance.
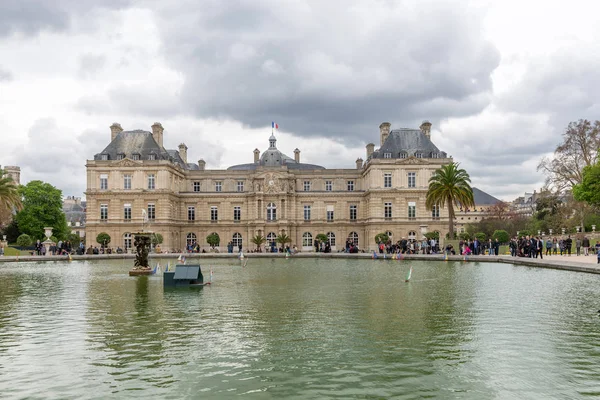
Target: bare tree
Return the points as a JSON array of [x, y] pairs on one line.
[[578, 149]]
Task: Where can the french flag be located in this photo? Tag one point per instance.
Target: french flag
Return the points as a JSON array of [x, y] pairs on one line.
[[274, 125]]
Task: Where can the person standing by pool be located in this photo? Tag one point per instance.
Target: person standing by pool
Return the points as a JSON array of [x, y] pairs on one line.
[[548, 247], [578, 246], [586, 245], [568, 245]]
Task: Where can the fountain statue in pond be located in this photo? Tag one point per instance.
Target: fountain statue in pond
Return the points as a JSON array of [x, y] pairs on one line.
[[142, 247]]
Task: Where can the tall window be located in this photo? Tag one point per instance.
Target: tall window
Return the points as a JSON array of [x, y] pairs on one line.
[[191, 213], [271, 239], [151, 181], [104, 157], [387, 155], [307, 213], [352, 213], [237, 213], [126, 182], [307, 186], [196, 186], [103, 212], [271, 212], [135, 156], [419, 155], [387, 180], [120, 156], [190, 239], [127, 240], [331, 238], [218, 186], [387, 210], [236, 240], [151, 211], [214, 213], [127, 211], [151, 157], [350, 186], [435, 211], [402, 155], [103, 182], [307, 239], [412, 179], [328, 186], [353, 238], [240, 186], [412, 209], [329, 213]]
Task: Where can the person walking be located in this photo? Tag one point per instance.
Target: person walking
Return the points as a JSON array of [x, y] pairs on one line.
[[578, 246], [548, 247], [586, 245], [568, 245]]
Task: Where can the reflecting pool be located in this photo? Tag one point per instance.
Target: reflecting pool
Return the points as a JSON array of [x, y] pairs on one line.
[[300, 328]]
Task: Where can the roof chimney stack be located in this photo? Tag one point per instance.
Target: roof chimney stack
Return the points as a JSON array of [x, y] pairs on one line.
[[183, 152], [256, 156], [297, 156], [157, 133], [115, 129], [384, 131], [201, 164], [359, 163], [370, 150], [426, 128]]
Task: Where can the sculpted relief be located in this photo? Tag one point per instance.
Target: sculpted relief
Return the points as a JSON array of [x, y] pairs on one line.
[[273, 183]]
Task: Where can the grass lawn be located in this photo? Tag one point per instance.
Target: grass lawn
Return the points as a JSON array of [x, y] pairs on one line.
[[11, 251]]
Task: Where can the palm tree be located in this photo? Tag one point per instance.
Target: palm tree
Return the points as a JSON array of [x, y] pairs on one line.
[[450, 184], [258, 240], [283, 239], [10, 199]]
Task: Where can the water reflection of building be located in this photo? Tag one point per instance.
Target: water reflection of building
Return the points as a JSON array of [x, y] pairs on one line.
[[136, 177], [74, 209]]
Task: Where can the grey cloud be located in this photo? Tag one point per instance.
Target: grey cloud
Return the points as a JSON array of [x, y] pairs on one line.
[[5, 75], [322, 73], [29, 17], [91, 64]]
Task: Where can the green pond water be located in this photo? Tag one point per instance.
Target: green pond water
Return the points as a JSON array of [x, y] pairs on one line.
[[300, 329]]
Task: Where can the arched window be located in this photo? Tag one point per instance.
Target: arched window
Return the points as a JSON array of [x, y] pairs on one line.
[[271, 239], [127, 241], [353, 238], [331, 238], [307, 239], [271, 212], [237, 239], [191, 239], [412, 235]]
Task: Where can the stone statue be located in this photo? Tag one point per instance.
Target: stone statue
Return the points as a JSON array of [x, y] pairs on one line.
[[142, 244]]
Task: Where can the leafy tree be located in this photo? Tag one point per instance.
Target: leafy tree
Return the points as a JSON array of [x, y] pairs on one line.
[[24, 240], [54, 239], [480, 236], [450, 185], [464, 236], [283, 239], [579, 149], [524, 233], [73, 238], [258, 240], [11, 232], [321, 237], [42, 206], [103, 238], [10, 198], [213, 240], [157, 238], [433, 235], [382, 238], [501, 235], [589, 188]]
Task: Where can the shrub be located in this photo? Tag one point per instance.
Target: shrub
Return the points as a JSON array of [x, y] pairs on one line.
[[24, 240], [103, 238], [501, 235]]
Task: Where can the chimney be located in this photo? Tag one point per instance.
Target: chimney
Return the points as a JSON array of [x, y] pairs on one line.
[[384, 131], [157, 133], [359, 162], [426, 128], [256, 156], [183, 152], [201, 164], [297, 155], [115, 129], [370, 149]]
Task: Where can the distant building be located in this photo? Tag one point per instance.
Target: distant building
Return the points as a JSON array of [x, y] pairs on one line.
[[483, 202], [135, 183], [14, 172], [74, 209]]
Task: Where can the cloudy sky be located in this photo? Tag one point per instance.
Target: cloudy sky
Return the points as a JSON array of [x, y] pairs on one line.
[[499, 80]]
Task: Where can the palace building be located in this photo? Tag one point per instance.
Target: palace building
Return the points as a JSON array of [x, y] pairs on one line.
[[136, 183]]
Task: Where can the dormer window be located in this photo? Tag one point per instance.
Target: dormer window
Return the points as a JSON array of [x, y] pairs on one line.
[[387, 155], [402, 154], [435, 155], [419, 155], [120, 156], [152, 157], [104, 157], [135, 156]]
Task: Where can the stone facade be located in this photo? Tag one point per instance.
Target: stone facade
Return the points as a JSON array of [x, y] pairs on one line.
[[130, 189]]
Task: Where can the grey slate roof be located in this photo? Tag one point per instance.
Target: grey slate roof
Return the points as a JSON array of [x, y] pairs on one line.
[[272, 157], [483, 199], [128, 143], [409, 142]]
